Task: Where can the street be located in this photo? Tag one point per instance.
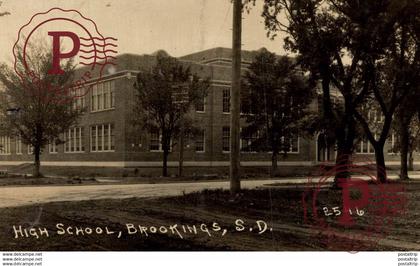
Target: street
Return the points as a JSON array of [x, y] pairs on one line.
[[19, 196], [27, 195]]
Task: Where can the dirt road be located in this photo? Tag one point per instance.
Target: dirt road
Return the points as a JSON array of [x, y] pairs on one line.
[[27, 195], [19, 196]]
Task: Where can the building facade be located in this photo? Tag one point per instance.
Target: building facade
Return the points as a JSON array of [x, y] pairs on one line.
[[105, 135]]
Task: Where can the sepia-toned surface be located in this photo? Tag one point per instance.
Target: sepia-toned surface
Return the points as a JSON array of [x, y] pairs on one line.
[[128, 146]]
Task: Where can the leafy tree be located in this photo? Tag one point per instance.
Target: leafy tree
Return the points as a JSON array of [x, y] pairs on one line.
[[38, 106], [395, 64], [164, 97], [275, 103], [340, 42]]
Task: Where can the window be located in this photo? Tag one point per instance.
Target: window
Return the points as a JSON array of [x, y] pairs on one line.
[[375, 115], [112, 137], [155, 141], [379, 116], [103, 96], [364, 147], [94, 97], [247, 140], [99, 104], [106, 92], [291, 143], [226, 139], [99, 137], [294, 143], [30, 149], [79, 101], [73, 140], [391, 144], [226, 100], [4, 145], [52, 146], [112, 94], [18, 144], [102, 138], [200, 141], [200, 105], [93, 138]]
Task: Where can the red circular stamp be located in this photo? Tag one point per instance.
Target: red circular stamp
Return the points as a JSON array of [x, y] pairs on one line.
[[356, 215], [64, 35]]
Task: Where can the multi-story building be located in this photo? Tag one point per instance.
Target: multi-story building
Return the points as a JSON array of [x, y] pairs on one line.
[[105, 135]]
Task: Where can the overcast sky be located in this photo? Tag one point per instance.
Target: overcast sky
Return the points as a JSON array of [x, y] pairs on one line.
[[143, 26]]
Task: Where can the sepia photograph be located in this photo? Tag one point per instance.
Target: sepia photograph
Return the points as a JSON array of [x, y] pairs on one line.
[[198, 125]]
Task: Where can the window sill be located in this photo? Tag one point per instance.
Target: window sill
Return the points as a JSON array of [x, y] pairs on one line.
[[103, 110], [98, 151], [289, 152]]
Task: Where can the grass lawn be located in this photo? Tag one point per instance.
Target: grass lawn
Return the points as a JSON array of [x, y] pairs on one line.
[[229, 224]]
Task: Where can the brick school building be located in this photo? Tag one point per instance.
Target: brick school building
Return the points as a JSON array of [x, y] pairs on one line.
[[105, 136]]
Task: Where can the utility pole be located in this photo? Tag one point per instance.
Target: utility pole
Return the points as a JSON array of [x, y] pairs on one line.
[[181, 149], [235, 182]]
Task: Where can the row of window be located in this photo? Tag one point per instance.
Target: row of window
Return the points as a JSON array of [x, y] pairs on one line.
[[5, 146], [225, 102], [102, 96], [200, 140], [200, 105], [364, 146], [247, 140], [101, 140], [72, 140]]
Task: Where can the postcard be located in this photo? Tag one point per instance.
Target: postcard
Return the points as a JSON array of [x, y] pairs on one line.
[[198, 125]]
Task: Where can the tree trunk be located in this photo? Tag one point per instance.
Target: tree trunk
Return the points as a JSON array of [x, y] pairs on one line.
[[165, 163], [380, 162], [37, 161], [410, 161], [404, 151], [273, 165], [345, 138], [342, 162], [181, 154]]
